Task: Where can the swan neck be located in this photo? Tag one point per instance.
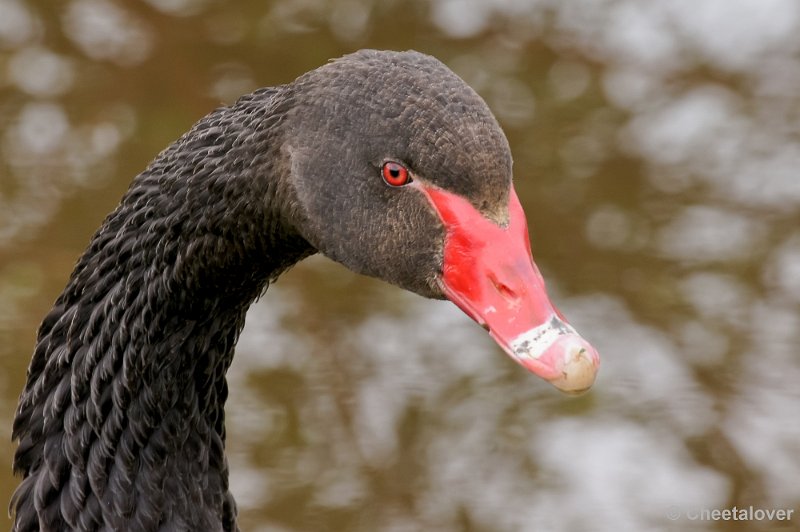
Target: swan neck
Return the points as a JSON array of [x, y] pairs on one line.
[[126, 388]]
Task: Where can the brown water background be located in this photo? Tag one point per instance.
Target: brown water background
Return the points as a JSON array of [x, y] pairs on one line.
[[657, 154]]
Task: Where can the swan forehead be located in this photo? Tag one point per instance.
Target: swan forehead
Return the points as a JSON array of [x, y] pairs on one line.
[[411, 106]]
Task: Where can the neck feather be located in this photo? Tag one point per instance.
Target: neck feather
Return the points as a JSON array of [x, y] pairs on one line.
[[121, 421]]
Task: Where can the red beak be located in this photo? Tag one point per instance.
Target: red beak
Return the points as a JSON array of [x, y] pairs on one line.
[[490, 274]]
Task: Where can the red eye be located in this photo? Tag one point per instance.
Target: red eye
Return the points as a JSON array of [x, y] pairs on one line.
[[395, 174]]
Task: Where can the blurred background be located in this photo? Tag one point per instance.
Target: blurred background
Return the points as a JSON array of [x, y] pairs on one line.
[[657, 154]]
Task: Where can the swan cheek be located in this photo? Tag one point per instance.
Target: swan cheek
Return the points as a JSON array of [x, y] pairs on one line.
[[489, 273]]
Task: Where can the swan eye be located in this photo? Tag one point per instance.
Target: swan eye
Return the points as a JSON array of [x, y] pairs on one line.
[[395, 174]]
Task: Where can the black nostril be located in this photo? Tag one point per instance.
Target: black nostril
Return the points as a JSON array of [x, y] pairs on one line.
[[506, 291]]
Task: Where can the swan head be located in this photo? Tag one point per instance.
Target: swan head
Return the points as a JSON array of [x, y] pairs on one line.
[[400, 171]]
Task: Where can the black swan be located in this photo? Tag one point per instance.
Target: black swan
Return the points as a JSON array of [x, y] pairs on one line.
[[384, 161]]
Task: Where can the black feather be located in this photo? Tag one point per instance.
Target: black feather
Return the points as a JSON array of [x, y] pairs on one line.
[[121, 424]]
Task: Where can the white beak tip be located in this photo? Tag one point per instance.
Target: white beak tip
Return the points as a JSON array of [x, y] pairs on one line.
[[578, 372]]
